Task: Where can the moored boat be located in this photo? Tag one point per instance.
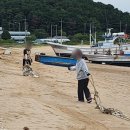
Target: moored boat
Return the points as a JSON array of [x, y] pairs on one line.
[[110, 59], [66, 50]]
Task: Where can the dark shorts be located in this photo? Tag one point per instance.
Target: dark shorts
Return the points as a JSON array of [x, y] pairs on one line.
[[27, 62]]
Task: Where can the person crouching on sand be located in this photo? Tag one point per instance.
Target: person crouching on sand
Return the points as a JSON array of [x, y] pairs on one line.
[[82, 76]]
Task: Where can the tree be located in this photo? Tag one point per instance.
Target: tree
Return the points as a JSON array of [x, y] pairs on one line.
[[78, 37], [40, 33], [31, 38], [5, 35], [63, 33]]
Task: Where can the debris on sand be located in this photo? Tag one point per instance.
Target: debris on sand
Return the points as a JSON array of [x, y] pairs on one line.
[[28, 71], [5, 51], [8, 51]]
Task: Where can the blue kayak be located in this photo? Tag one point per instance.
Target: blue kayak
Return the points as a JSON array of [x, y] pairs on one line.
[[56, 61]]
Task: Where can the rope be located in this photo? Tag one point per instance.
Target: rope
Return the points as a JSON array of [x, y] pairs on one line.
[[28, 71], [110, 111]]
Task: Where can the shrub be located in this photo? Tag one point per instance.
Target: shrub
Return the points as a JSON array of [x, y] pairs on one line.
[[5, 35]]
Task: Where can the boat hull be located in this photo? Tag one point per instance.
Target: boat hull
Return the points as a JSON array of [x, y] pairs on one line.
[[56, 61], [66, 50], [110, 59]]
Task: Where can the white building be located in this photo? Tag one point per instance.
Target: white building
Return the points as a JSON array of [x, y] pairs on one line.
[[17, 35], [55, 39], [60, 39]]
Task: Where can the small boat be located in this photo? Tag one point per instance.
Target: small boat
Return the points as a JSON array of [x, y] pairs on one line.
[[110, 59], [56, 61]]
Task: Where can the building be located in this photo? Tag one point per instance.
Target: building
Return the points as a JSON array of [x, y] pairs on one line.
[[60, 39], [18, 36], [55, 39]]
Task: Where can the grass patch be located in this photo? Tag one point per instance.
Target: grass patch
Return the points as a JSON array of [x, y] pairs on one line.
[[12, 43], [7, 43]]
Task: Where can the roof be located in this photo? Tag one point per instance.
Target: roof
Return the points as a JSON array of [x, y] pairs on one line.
[[17, 33], [59, 37], [18, 37]]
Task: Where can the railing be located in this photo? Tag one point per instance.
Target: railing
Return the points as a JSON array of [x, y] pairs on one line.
[[113, 50]]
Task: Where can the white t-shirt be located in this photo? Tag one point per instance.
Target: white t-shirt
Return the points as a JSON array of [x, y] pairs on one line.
[[81, 69]]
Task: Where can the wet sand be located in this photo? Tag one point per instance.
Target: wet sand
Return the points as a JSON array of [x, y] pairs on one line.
[[50, 101]]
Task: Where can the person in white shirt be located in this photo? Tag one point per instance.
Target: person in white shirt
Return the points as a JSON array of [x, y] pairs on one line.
[[82, 76]]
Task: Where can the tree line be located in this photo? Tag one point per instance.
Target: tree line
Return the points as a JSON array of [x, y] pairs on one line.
[[77, 15]]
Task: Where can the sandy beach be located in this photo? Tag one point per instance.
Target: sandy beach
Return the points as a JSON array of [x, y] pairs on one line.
[[50, 101]]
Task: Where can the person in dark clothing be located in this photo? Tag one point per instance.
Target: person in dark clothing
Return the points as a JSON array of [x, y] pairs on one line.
[[27, 56], [82, 76]]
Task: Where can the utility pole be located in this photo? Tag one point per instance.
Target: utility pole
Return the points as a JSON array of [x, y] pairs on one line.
[[90, 34], [126, 28], [25, 29], [51, 31], [95, 36], [19, 26], [61, 30], [120, 26], [56, 31]]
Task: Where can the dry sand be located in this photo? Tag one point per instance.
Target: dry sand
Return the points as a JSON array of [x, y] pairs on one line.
[[50, 102]]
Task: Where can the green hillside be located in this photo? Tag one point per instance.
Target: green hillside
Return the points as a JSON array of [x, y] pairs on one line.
[[76, 14]]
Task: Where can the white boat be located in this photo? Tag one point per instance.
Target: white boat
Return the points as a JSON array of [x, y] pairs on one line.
[[66, 50], [115, 54], [55, 39], [109, 59]]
